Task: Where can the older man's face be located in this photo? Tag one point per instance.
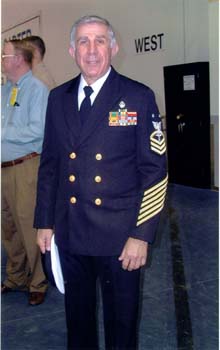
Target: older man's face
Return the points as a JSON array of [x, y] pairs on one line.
[[93, 52]]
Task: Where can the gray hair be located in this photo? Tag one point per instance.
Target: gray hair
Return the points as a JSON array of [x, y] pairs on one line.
[[92, 19]]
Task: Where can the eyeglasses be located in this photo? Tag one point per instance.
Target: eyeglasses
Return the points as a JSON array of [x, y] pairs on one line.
[[5, 56]]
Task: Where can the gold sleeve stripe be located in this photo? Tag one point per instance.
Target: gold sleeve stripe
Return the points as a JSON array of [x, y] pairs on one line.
[[150, 213], [148, 217], [143, 205], [164, 181], [151, 207], [153, 201], [150, 195]]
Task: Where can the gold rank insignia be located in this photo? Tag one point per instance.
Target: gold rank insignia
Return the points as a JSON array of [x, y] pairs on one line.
[[157, 139], [122, 118], [14, 93]]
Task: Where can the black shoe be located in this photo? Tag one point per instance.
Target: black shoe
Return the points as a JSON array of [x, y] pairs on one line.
[[36, 298]]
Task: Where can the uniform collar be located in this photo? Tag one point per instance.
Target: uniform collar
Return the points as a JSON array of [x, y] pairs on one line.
[[96, 86]]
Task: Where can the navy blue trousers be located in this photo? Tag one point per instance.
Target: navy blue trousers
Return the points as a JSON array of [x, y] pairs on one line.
[[120, 297]]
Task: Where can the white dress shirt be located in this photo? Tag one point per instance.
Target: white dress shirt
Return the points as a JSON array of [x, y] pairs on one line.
[[95, 86]]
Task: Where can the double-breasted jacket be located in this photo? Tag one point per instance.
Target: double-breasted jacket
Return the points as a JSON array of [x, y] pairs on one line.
[[104, 181]]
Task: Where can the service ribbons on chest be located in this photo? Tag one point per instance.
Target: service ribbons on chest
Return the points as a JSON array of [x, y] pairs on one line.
[[122, 118]]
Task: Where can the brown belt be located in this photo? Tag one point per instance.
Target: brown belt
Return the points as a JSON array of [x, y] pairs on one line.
[[19, 160]]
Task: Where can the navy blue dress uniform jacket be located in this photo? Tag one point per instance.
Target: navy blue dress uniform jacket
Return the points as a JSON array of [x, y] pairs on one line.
[[105, 181]]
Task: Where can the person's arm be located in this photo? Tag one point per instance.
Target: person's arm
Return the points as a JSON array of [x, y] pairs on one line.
[[152, 171], [47, 181]]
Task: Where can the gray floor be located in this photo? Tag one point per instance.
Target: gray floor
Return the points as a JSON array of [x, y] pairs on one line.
[[179, 291]]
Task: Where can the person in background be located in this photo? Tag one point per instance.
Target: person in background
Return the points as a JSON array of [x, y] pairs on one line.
[[101, 187], [39, 68], [24, 101]]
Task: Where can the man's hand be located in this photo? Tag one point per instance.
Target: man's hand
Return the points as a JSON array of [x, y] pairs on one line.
[[44, 239], [134, 254]]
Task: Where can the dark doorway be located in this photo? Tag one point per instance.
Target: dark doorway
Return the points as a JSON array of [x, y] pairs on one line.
[[188, 124]]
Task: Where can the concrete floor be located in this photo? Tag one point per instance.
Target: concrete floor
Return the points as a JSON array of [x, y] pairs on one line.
[[179, 294]]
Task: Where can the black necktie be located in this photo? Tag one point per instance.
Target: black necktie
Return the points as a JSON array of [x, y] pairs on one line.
[[86, 104]]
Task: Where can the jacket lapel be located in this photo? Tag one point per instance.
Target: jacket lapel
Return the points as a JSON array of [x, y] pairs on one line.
[[71, 114]]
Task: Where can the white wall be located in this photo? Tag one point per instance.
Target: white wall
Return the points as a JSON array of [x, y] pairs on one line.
[[214, 81], [184, 23], [184, 40]]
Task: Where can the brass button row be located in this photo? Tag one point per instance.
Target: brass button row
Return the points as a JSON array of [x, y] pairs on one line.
[[98, 156], [97, 179], [73, 200]]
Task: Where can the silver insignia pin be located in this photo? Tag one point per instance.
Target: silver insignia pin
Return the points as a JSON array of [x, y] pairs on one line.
[[122, 104]]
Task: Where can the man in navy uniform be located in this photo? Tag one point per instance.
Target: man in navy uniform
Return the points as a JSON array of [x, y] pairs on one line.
[[101, 187]]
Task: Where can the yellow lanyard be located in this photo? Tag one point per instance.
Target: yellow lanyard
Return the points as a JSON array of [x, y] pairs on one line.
[[14, 93]]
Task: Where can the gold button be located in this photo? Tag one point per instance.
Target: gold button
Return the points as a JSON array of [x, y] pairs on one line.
[[98, 201], [98, 179], [73, 200], [98, 156], [73, 155], [72, 178]]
